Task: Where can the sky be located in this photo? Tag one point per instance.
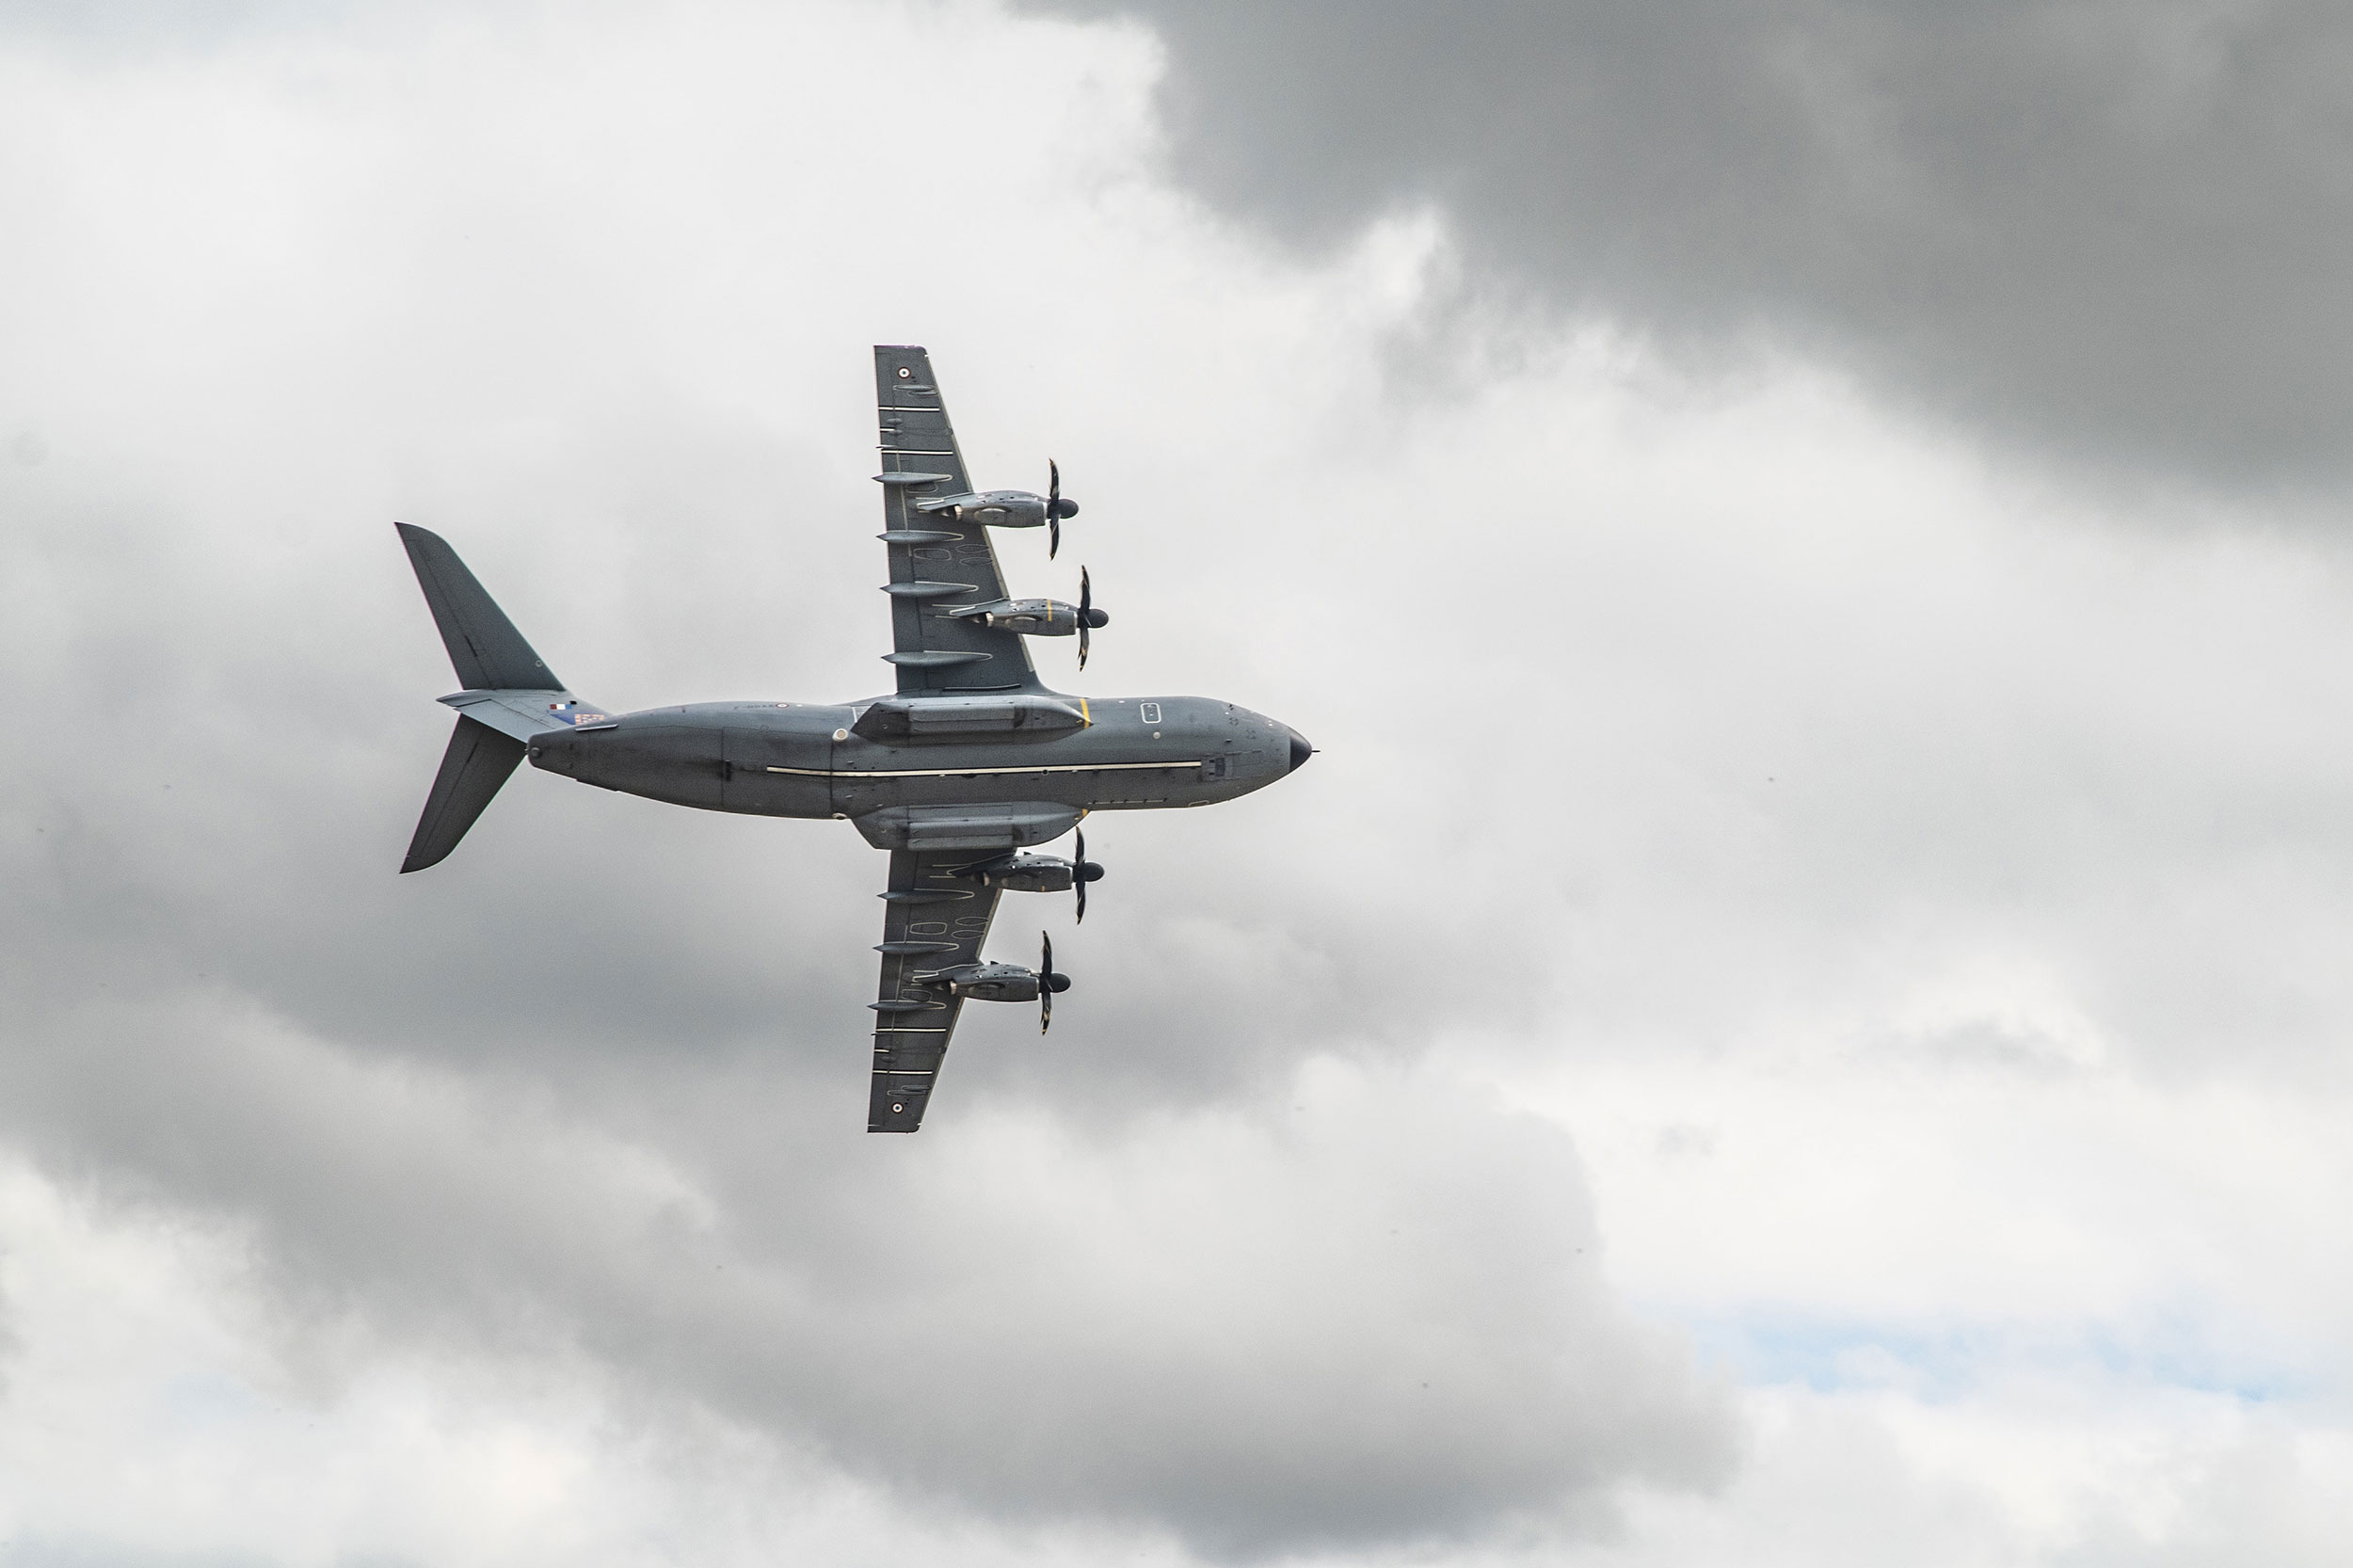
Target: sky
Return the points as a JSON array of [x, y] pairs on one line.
[[1797, 1018]]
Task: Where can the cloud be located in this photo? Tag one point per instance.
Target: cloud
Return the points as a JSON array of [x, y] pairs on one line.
[[1768, 868], [1223, 1259], [2104, 232], [1375, 1313]]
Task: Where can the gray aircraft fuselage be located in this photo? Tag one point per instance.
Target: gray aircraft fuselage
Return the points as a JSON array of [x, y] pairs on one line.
[[972, 761], [814, 759]]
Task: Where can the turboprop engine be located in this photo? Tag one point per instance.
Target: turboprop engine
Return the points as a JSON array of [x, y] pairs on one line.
[[1042, 618], [996, 983], [1012, 982], [993, 508], [1034, 618], [1030, 873], [1042, 873], [1010, 508]]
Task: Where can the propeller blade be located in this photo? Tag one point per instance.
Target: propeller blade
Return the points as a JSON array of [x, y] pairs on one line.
[[1086, 603], [1046, 985], [1078, 873], [1053, 508]]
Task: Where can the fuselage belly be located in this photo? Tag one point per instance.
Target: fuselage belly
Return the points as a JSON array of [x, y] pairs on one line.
[[809, 760]]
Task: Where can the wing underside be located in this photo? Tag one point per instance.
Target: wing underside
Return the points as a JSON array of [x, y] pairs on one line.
[[936, 563], [934, 920]]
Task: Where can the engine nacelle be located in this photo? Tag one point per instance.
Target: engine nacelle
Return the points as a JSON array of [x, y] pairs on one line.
[[1031, 618], [991, 509], [1001, 508], [1028, 874], [995, 983]]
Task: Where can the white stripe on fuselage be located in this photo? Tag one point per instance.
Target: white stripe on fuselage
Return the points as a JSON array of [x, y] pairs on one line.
[[974, 773]]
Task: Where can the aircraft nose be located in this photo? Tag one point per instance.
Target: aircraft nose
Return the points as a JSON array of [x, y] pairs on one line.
[[1301, 750]]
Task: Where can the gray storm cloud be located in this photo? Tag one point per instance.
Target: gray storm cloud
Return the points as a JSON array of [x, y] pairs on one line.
[[1661, 731], [1217, 1260], [2109, 231], [590, 1089]]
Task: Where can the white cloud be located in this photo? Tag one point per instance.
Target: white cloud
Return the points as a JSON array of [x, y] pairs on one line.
[[1914, 888]]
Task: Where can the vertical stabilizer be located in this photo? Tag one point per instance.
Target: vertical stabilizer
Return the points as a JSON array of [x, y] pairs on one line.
[[478, 761], [488, 653]]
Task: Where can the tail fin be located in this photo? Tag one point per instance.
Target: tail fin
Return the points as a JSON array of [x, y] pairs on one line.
[[490, 654], [478, 761]]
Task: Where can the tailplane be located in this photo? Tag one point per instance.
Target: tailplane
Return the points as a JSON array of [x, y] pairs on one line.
[[478, 761]]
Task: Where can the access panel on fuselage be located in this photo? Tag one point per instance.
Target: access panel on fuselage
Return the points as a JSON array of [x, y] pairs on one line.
[[778, 761]]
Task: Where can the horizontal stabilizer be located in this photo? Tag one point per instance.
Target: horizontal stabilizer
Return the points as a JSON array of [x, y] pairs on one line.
[[478, 761], [490, 654], [525, 714]]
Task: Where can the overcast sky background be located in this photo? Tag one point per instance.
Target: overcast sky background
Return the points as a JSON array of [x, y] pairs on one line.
[[1801, 1017]]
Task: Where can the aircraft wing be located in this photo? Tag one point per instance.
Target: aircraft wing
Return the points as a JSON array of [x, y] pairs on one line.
[[935, 564], [933, 920]]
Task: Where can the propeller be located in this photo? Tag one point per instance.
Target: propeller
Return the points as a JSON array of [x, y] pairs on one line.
[[1056, 509], [1048, 983], [1089, 616], [1083, 870]]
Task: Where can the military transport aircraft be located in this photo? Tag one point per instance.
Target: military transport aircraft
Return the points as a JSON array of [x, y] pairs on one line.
[[972, 759]]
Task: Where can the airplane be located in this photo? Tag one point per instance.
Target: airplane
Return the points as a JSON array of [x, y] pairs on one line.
[[969, 761]]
